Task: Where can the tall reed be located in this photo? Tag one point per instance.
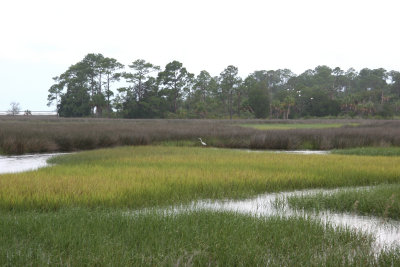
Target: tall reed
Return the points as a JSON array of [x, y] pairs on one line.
[[32, 135]]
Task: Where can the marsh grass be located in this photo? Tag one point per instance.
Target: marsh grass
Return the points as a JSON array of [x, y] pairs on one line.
[[78, 237], [289, 126], [149, 176], [35, 134], [77, 213], [369, 151], [381, 200]]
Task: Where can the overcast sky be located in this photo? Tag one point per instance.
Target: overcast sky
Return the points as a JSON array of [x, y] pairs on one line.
[[40, 39]]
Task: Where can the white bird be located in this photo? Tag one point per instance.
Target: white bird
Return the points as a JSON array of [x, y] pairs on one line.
[[201, 141]]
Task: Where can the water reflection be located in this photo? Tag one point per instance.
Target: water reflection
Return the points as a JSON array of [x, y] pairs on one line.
[[13, 164], [386, 232], [301, 152]]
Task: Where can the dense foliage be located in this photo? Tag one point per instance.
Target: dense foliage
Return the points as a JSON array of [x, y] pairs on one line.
[[85, 89]]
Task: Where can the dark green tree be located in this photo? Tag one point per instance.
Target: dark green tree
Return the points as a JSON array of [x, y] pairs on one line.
[[142, 70], [55, 93], [76, 101], [110, 67], [229, 83], [173, 81], [395, 83], [259, 99], [321, 91], [92, 68], [317, 102]]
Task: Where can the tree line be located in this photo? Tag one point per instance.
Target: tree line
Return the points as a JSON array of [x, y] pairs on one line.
[[87, 89]]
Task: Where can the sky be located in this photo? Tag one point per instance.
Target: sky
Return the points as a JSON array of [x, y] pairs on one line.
[[40, 39]]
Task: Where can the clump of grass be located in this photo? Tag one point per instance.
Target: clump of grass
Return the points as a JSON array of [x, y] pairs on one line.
[[80, 237], [369, 151], [162, 175], [381, 200]]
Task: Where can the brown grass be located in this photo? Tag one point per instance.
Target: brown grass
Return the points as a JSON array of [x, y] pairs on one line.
[[19, 135]]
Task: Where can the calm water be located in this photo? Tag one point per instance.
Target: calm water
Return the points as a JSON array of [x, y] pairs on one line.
[[301, 152], [385, 232], [12, 164]]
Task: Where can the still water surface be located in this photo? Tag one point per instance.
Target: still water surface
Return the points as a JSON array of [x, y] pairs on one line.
[[13, 164]]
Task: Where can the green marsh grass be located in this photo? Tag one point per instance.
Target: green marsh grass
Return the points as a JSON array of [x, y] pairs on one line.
[[148, 176], [79, 211], [369, 151], [78, 237], [289, 126], [381, 200]]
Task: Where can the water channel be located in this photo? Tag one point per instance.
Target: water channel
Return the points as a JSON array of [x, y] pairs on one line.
[[386, 232], [21, 163]]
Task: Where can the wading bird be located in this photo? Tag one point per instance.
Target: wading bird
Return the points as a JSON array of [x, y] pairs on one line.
[[201, 141]]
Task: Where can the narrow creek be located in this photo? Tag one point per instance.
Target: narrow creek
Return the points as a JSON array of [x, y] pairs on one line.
[[386, 232], [300, 152]]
